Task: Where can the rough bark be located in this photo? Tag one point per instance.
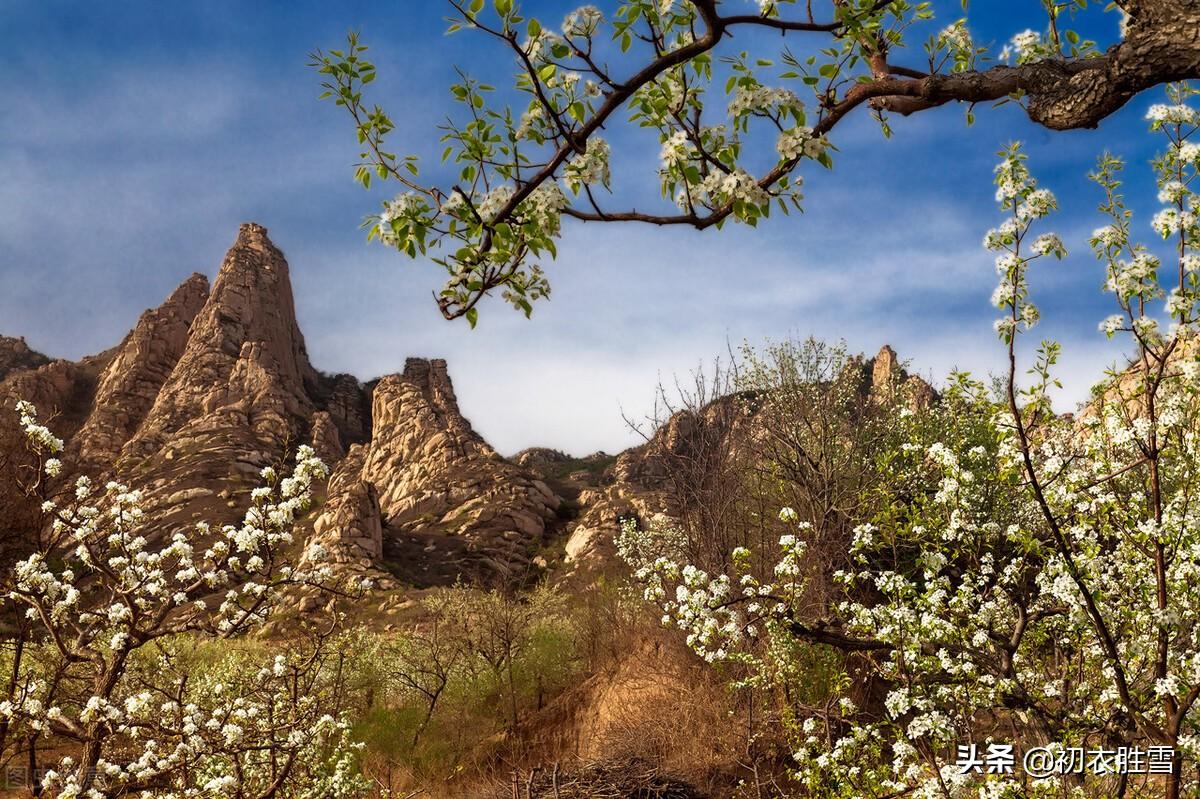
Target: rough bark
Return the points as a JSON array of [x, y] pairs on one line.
[[1162, 44]]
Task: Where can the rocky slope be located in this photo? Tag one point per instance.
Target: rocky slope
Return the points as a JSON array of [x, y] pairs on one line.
[[215, 384], [635, 485], [15, 355], [427, 494], [63, 392]]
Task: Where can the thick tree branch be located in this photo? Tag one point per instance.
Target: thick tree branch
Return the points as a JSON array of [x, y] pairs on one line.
[[1162, 44]]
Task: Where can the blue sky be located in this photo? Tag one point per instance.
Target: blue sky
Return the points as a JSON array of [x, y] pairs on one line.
[[138, 135]]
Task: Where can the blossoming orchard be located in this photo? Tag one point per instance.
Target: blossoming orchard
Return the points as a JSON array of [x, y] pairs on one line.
[[1024, 575], [817, 575], [102, 668]]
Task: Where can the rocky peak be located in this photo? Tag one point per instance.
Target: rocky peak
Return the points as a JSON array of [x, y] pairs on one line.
[[540, 457], [885, 371], [252, 302], [244, 354], [215, 384], [888, 379], [431, 380], [416, 426], [15, 355], [427, 482]]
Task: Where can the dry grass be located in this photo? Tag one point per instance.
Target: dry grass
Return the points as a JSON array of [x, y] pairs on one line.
[[608, 779]]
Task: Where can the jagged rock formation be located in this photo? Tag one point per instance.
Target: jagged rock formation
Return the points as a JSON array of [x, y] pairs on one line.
[[239, 393], [134, 378], [326, 439], [212, 386], [350, 527], [888, 379], [635, 485], [244, 362], [428, 482]]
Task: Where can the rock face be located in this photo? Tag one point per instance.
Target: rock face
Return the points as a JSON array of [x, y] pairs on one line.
[[212, 386], [350, 527], [62, 391], [435, 486], [889, 380], [208, 389], [244, 364], [539, 457], [134, 378], [15, 355], [635, 485]]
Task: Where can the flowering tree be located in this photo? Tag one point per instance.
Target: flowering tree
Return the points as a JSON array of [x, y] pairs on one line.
[[103, 671], [522, 166], [1022, 577]]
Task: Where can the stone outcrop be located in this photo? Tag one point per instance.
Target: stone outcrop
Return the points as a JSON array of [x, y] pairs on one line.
[[326, 439], [437, 486], [540, 458], [635, 486], [888, 379], [350, 524], [134, 378], [244, 366], [15, 355], [348, 404], [207, 390], [213, 385]]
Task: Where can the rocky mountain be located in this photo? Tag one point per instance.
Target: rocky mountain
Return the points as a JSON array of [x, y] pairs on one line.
[[215, 384], [427, 493], [635, 485]]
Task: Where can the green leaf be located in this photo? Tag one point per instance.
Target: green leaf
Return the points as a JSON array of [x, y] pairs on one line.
[[472, 317]]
